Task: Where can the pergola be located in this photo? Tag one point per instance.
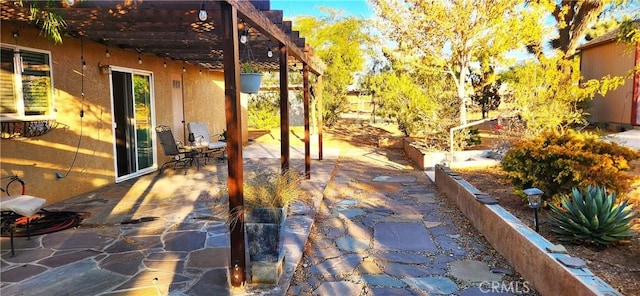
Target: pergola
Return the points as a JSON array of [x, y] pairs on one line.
[[174, 30]]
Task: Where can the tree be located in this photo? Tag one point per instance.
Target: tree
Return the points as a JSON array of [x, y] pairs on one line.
[[548, 91], [417, 97], [453, 35], [340, 41]]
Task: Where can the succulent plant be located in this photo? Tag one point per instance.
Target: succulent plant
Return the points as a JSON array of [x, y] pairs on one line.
[[593, 216]]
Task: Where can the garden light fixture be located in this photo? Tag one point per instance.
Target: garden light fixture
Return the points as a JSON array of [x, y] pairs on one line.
[[534, 196]]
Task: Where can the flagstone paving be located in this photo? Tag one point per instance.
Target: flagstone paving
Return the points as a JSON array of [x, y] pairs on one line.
[[383, 229]]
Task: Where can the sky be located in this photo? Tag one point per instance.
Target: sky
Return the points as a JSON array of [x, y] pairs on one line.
[[293, 8]]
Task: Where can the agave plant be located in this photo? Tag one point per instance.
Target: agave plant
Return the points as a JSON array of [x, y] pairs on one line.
[[593, 216]]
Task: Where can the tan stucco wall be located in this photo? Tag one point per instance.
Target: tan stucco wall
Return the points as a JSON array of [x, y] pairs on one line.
[[616, 60], [37, 159]]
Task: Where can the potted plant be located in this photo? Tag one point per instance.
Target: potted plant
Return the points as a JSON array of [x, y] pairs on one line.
[[266, 197], [250, 78]]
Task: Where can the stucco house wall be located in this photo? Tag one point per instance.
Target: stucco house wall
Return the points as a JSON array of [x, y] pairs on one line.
[[612, 58], [37, 159]]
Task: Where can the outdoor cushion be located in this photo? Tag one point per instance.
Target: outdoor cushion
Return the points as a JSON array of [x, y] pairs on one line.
[[25, 205], [203, 138]]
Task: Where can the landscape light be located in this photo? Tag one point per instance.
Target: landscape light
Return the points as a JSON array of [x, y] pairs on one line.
[[534, 197]]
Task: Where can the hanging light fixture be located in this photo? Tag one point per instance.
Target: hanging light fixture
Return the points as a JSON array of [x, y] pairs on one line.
[[202, 15], [183, 68], [164, 63], [106, 52], [243, 36], [139, 59], [269, 53]]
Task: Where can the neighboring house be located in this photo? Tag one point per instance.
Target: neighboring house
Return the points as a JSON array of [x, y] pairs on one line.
[[603, 56], [85, 110]]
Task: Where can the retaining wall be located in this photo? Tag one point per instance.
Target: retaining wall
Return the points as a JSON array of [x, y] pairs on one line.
[[525, 249]]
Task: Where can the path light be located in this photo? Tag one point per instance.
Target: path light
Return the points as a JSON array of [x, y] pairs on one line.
[[534, 196]]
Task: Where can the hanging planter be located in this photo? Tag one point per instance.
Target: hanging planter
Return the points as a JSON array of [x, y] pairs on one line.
[[250, 79]]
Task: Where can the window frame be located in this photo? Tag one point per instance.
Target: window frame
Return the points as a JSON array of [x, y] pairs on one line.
[[18, 86]]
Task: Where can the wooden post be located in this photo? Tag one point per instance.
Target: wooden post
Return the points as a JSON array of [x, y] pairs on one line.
[[318, 93], [233, 113], [284, 109], [307, 145]]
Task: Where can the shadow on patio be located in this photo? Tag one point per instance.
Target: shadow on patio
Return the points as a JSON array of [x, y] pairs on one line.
[[178, 241]]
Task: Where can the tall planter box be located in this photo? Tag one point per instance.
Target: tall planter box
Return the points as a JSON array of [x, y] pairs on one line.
[[264, 229], [250, 82]]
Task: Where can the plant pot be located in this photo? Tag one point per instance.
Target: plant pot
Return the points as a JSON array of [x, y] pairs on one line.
[[264, 234], [250, 82], [265, 228]]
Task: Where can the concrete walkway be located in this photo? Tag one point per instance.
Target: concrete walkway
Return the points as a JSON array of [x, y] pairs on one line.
[[383, 229]]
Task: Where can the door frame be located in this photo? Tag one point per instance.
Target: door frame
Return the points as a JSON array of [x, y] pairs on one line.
[[154, 166]]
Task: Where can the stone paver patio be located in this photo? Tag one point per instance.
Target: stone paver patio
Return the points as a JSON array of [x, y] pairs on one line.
[[384, 233]]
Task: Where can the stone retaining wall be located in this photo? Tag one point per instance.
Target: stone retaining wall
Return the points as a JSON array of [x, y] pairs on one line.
[[525, 249]]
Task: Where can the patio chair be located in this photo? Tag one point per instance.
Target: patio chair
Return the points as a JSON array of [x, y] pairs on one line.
[[203, 139], [179, 157]]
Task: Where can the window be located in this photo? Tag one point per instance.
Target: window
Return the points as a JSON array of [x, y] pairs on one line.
[[25, 85]]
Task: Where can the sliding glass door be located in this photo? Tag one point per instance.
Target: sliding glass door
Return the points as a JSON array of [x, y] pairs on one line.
[[133, 123]]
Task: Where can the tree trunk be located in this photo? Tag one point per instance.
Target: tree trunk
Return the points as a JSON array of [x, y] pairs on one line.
[[462, 94]]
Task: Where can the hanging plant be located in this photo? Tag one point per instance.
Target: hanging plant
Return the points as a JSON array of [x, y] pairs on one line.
[[250, 76]]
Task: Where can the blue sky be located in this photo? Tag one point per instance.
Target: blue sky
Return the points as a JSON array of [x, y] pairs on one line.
[[293, 8]]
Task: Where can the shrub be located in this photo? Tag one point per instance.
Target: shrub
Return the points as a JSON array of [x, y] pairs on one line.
[[593, 216], [263, 111], [555, 163]]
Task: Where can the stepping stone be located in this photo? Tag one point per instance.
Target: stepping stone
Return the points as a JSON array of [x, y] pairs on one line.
[[351, 244], [336, 266], [558, 249], [487, 200], [501, 270], [382, 291], [433, 285], [213, 282], [66, 258], [402, 218], [87, 279], [402, 237], [338, 288], [572, 262], [134, 243], [473, 272], [209, 258], [405, 270], [403, 258], [378, 280], [351, 213], [184, 240], [430, 224], [76, 239], [449, 245], [346, 203], [21, 272], [123, 263]]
